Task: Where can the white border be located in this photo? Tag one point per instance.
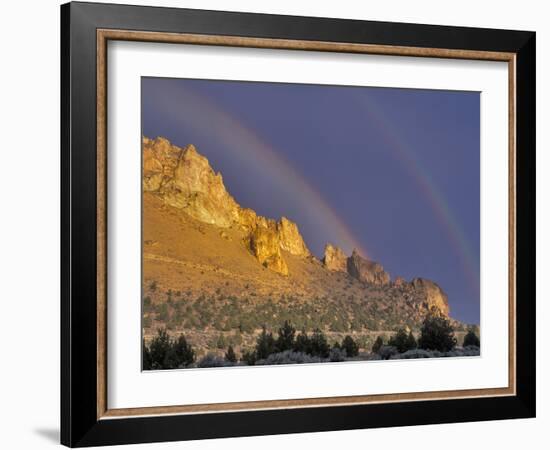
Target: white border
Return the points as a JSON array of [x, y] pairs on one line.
[[128, 387]]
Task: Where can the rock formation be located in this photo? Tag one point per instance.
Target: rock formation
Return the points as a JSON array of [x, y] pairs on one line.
[[366, 271], [399, 281], [290, 238], [356, 266], [184, 179], [335, 259], [433, 294], [266, 247]]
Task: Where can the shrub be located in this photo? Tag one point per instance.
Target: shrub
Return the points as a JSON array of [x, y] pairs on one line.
[[377, 344], [471, 338], [302, 344], [265, 344], [411, 341], [230, 355], [163, 313], [471, 350], [249, 358], [403, 341], [288, 357], [350, 347], [285, 340], [437, 333], [220, 343], [413, 354], [146, 357], [318, 344], [211, 360], [387, 351], [164, 353], [147, 322], [183, 353], [159, 349], [147, 304], [337, 354]]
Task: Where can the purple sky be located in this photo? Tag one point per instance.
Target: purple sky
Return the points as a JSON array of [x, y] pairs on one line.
[[398, 167]]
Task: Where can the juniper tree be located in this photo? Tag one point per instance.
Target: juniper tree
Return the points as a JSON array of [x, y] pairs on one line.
[[230, 355], [318, 344], [285, 340], [302, 343], [437, 333], [350, 346], [403, 341], [265, 344], [377, 344], [471, 338]]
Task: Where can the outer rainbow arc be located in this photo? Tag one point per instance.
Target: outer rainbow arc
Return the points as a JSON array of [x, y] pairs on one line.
[[245, 140], [438, 204]]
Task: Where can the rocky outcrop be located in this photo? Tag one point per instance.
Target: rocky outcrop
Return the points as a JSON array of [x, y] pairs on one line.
[[184, 179], [366, 271], [431, 294], [265, 246], [335, 259], [399, 281], [356, 266], [290, 238], [196, 188], [159, 161]]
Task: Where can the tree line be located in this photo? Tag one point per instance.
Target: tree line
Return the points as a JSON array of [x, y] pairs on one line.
[[288, 346]]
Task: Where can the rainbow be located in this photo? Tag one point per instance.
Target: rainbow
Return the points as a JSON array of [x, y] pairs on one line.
[[405, 155], [238, 138], [245, 142]]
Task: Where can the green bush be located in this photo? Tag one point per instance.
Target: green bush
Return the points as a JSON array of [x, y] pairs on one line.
[[403, 341], [183, 353], [249, 358], [159, 349], [265, 344], [285, 340], [471, 338], [146, 357], [350, 346], [318, 345], [230, 355], [164, 353], [302, 343], [436, 333], [377, 344]]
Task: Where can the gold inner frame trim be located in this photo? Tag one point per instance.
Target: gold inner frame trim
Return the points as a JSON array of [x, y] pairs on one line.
[[104, 35]]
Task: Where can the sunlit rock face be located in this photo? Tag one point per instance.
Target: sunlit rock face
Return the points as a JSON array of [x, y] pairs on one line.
[[335, 259], [184, 179], [432, 294], [290, 238], [266, 247]]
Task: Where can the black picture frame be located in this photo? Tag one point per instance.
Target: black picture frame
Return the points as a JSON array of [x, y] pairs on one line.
[[80, 425]]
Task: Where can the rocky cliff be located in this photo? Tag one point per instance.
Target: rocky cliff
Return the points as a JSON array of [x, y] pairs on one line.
[[355, 266], [238, 239], [184, 179], [335, 259], [365, 270], [426, 293]]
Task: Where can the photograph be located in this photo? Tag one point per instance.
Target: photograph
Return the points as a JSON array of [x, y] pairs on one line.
[[287, 223]]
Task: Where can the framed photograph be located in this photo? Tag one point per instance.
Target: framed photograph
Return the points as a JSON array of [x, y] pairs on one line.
[[276, 224]]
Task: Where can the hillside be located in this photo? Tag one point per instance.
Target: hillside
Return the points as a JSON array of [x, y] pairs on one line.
[[212, 267]]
